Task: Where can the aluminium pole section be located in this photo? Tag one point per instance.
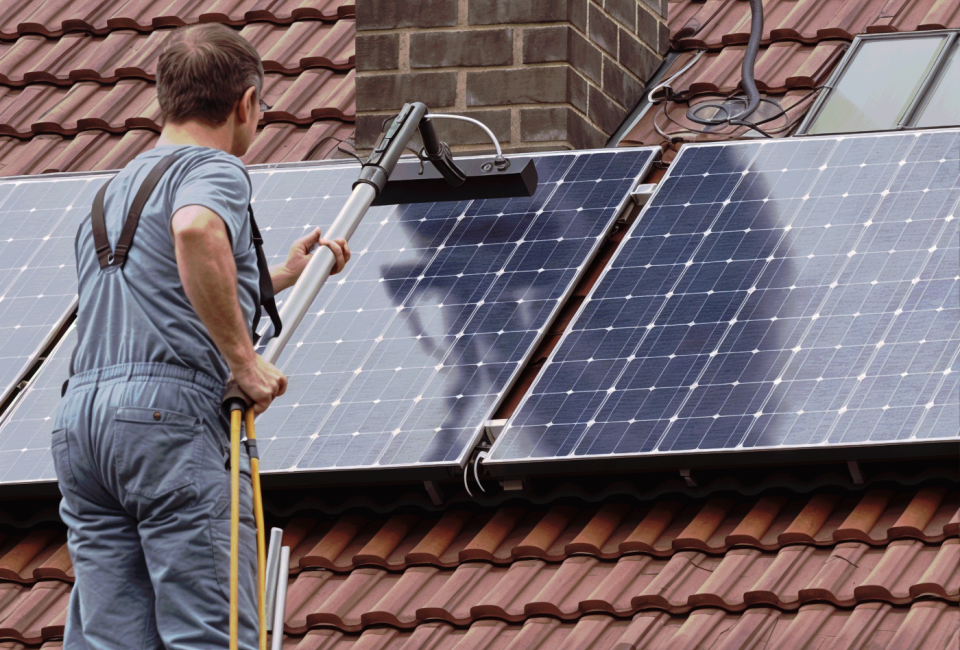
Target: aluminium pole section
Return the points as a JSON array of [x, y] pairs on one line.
[[373, 177], [295, 307]]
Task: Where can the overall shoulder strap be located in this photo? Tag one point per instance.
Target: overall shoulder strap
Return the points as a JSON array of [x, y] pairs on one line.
[[105, 256], [136, 208], [267, 298], [100, 228]]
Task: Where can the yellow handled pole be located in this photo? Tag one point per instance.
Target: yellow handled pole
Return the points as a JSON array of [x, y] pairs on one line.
[[258, 518], [235, 424]]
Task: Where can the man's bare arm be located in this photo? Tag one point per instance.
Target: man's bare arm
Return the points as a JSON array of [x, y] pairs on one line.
[[209, 276]]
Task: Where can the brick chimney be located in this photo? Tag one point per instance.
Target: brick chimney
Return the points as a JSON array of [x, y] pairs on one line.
[[542, 74]]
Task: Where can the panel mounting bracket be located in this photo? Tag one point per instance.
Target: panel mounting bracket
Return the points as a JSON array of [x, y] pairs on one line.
[[514, 484], [641, 193], [492, 429], [856, 474], [688, 478], [435, 492]]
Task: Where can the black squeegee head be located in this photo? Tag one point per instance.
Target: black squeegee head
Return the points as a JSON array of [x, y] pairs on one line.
[[484, 181]]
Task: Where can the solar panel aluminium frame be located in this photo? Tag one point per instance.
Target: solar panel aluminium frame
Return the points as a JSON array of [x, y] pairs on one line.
[[424, 471], [714, 458]]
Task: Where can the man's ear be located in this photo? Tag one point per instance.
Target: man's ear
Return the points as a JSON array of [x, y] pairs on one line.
[[245, 107]]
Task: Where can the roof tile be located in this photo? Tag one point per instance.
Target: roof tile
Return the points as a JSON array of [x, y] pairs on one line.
[[859, 523], [431, 548], [698, 532], [942, 577], [539, 541], [381, 547], [53, 17], [716, 23], [130, 54]]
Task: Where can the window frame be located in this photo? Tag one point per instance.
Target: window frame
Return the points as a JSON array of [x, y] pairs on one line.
[[949, 48]]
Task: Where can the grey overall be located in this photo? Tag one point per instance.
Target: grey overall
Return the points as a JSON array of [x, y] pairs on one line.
[[139, 447]]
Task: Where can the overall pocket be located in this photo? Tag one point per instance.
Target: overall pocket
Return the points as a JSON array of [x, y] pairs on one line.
[[157, 450], [60, 450]]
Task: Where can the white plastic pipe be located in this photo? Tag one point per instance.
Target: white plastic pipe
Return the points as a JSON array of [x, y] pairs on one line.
[[276, 640], [273, 566]]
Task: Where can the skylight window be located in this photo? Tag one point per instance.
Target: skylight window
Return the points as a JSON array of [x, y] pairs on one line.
[[889, 82]]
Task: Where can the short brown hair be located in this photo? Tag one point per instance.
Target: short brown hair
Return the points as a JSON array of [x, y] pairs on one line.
[[203, 73]]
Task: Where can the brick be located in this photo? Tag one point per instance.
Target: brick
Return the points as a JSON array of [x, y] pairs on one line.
[[543, 124], [648, 28], [659, 7], [623, 10], [456, 132], [394, 14], [577, 90], [604, 112], [577, 14], [635, 57], [664, 43], [584, 57], [583, 135], [620, 85], [539, 85], [378, 52], [368, 129], [499, 12], [603, 31], [481, 47], [390, 91], [545, 44]]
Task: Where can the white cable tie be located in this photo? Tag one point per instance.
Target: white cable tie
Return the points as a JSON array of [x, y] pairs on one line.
[[666, 83]]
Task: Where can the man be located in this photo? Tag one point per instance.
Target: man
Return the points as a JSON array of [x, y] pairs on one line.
[[165, 318]]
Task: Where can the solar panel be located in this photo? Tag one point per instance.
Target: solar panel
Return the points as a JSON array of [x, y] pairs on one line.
[[25, 429], [795, 294], [38, 280], [406, 354]]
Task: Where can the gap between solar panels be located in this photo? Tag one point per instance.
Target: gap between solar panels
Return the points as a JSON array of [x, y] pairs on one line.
[[776, 302], [404, 356]]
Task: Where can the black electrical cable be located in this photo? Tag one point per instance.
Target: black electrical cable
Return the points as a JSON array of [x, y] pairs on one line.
[[747, 80]]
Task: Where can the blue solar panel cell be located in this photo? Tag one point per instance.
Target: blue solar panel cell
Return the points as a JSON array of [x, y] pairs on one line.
[[784, 294]]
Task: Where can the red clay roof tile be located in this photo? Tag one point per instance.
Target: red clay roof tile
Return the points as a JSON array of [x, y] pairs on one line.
[[53, 17], [717, 23], [129, 54], [77, 81]]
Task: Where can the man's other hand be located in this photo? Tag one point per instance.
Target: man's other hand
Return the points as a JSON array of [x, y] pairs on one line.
[[289, 272], [261, 381]]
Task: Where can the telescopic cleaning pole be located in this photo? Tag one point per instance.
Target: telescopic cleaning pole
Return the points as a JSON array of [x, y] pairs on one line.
[[374, 174]]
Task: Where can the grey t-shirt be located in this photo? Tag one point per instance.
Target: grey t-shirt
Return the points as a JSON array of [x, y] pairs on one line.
[[141, 313]]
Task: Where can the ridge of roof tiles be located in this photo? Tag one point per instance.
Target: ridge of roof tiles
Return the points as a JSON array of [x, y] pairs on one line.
[[515, 565], [924, 625], [505, 535]]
